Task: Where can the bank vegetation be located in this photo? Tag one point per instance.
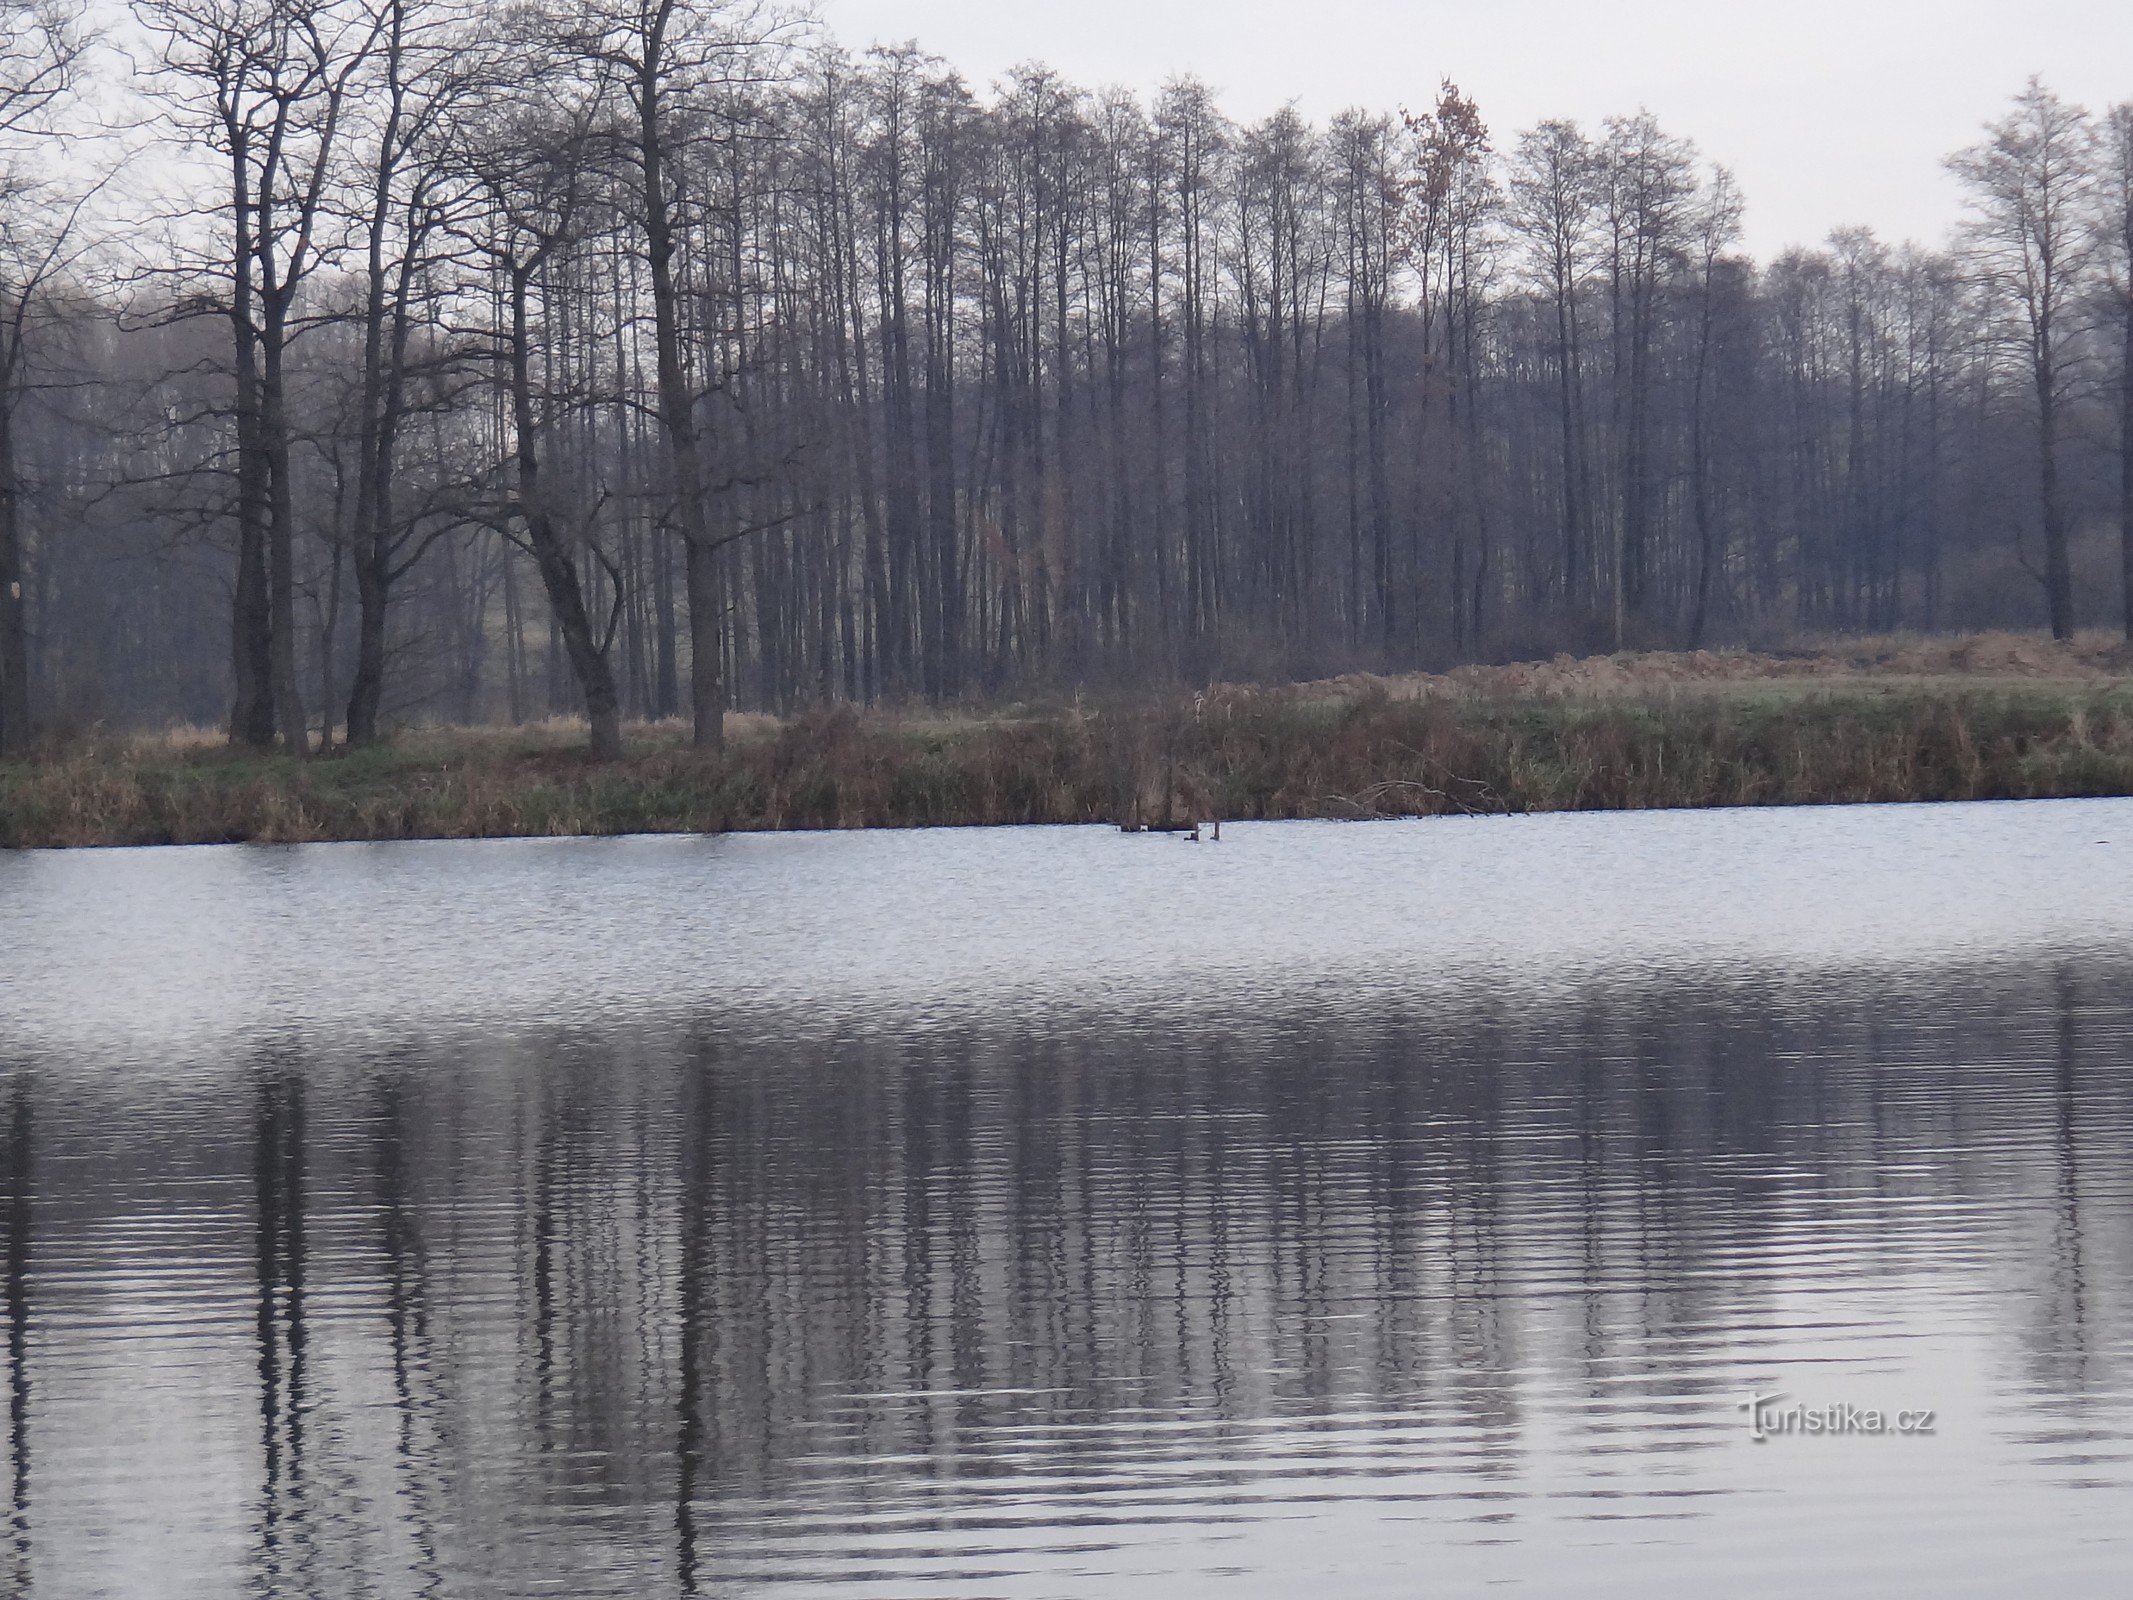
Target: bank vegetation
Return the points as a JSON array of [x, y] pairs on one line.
[[1987, 719]]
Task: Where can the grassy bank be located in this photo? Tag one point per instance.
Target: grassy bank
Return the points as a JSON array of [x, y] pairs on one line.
[[1605, 735]]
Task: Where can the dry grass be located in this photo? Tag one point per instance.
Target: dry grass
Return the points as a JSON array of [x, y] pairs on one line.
[[1980, 718], [1976, 660]]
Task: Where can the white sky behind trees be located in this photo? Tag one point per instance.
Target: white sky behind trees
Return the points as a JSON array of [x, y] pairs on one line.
[[1829, 112]]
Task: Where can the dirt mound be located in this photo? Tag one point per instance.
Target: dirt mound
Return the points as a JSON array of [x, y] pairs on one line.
[[2011, 655]]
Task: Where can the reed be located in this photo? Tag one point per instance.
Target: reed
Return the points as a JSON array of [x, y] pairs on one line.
[[1356, 749]]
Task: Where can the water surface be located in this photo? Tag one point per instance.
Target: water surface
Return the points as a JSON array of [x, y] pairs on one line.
[[1383, 1209]]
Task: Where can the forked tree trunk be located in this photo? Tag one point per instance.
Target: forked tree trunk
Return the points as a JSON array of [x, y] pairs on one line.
[[554, 557]]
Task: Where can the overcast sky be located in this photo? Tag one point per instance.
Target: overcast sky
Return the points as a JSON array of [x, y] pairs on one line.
[[1830, 112]]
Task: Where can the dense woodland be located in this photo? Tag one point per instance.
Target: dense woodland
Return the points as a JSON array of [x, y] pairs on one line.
[[365, 362]]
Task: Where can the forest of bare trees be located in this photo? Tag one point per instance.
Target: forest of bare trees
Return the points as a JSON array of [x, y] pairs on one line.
[[365, 362]]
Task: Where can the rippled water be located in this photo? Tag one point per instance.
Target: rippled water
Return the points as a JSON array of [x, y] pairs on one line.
[[1354, 1210]]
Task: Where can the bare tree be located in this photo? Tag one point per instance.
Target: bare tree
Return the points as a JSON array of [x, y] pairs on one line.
[[426, 65], [2116, 192], [1717, 230], [267, 85], [1650, 187], [41, 58], [530, 149], [1554, 204], [42, 45], [898, 390], [665, 57], [2029, 184]]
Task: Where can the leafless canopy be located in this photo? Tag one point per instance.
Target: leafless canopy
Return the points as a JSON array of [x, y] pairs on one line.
[[653, 357]]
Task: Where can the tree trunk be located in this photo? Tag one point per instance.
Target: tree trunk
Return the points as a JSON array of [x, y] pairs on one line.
[[677, 405], [1700, 469], [288, 700], [14, 630], [366, 691], [707, 694], [384, 403], [2058, 569], [373, 539], [251, 623], [2125, 461], [384, 366], [329, 625], [1569, 374]]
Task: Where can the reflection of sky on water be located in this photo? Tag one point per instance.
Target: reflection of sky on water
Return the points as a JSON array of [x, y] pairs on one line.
[[1013, 1214], [188, 948]]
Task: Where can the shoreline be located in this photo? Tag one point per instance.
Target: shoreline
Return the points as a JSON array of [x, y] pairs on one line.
[[1182, 833], [1478, 742]]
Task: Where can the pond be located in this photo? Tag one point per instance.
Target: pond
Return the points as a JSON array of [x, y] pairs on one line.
[[1364, 1209]]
